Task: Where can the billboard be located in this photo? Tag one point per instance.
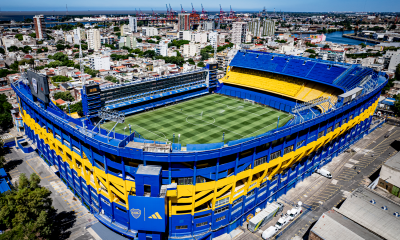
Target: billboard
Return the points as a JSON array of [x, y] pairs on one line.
[[91, 89], [147, 213], [39, 86]]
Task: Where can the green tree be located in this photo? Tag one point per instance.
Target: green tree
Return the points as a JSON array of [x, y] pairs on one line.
[[6, 120], [60, 78], [19, 36], [116, 29], [25, 49], [13, 48], [111, 79], [66, 96], [312, 56], [33, 35], [201, 64], [326, 46], [310, 51], [191, 61], [77, 107], [204, 55], [363, 45], [26, 212], [5, 72], [2, 51], [149, 53]]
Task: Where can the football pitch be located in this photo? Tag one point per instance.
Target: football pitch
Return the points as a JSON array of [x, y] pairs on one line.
[[204, 120]]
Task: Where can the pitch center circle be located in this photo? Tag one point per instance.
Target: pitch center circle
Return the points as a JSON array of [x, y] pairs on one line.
[[202, 121]]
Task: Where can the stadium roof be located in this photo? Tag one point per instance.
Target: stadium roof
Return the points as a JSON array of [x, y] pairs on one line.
[[332, 226], [367, 208]]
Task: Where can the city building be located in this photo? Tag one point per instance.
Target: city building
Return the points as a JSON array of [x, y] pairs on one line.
[[208, 26], [183, 21], [93, 39], [261, 28], [200, 37], [214, 39], [394, 60], [149, 31], [365, 214], [191, 49], [133, 24], [77, 35], [40, 26], [389, 177], [185, 35], [239, 32], [125, 29], [99, 62], [162, 48]]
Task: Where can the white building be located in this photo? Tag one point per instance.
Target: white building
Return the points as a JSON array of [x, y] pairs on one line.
[[125, 29], [208, 26], [394, 61], [162, 48], [260, 28], [214, 39], [93, 39], [99, 62], [149, 31], [185, 35], [200, 37], [77, 35], [239, 30], [191, 49], [133, 24], [68, 38]]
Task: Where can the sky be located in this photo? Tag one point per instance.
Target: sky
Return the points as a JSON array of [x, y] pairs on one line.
[[210, 5]]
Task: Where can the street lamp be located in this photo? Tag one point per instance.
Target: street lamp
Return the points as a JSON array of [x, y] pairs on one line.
[[130, 130], [179, 136], [173, 138], [124, 130]]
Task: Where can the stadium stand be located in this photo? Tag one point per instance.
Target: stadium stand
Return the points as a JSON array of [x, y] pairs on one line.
[[202, 191]]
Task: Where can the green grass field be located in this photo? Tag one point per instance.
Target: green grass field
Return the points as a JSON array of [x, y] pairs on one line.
[[203, 120]]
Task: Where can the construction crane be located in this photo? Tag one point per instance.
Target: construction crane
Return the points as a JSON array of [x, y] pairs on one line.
[[171, 12], [231, 13], [221, 12], [137, 13], [193, 10], [203, 13], [182, 11]]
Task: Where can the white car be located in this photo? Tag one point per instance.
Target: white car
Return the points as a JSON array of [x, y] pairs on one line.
[[324, 172], [269, 232], [295, 211], [283, 221]]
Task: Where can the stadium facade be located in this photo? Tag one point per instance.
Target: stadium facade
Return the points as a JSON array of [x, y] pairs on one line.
[[142, 188]]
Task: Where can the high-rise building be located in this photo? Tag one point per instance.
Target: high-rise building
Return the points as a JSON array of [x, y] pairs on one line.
[[214, 39], [183, 21], [208, 26], [260, 28], [125, 29], [239, 32], [149, 31], [99, 62], [133, 24], [40, 26], [77, 35], [93, 39], [191, 49]]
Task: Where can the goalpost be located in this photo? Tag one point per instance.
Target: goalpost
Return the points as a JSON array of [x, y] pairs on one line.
[[249, 101]]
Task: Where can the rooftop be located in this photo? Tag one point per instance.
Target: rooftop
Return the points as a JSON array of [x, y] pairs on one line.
[[332, 225], [394, 162], [367, 208]]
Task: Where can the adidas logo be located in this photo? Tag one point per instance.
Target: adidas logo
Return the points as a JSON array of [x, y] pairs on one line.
[[155, 216]]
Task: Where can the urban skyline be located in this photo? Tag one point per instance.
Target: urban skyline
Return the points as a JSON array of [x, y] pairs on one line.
[[251, 5]]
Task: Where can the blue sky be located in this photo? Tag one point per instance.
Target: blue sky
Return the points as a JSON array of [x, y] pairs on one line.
[[284, 5]]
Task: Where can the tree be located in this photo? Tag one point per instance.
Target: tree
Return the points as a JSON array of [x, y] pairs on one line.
[[25, 49], [191, 61], [363, 45], [111, 79], [201, 64], [26, 212], [312, 56], [60, 79], [66, 96], [5, 112], [13, 48], [19, 36], [5, 72], [204, 55], [149, 53], [310, 51], [33, 35], [326, 46], [2, 51]]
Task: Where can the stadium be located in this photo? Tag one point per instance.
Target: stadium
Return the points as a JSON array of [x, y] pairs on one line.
[[188, 156]]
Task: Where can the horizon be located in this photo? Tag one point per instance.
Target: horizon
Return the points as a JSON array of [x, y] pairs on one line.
[[305, 6]]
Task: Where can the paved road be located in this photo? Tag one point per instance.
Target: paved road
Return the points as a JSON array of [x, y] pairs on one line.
[[72, 216], [350, 170]]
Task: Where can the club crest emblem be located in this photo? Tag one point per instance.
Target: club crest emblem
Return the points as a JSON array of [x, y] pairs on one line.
[[135, 213]]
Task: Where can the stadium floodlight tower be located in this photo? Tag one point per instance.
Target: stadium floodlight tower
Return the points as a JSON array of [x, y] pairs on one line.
[[83, 80]]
